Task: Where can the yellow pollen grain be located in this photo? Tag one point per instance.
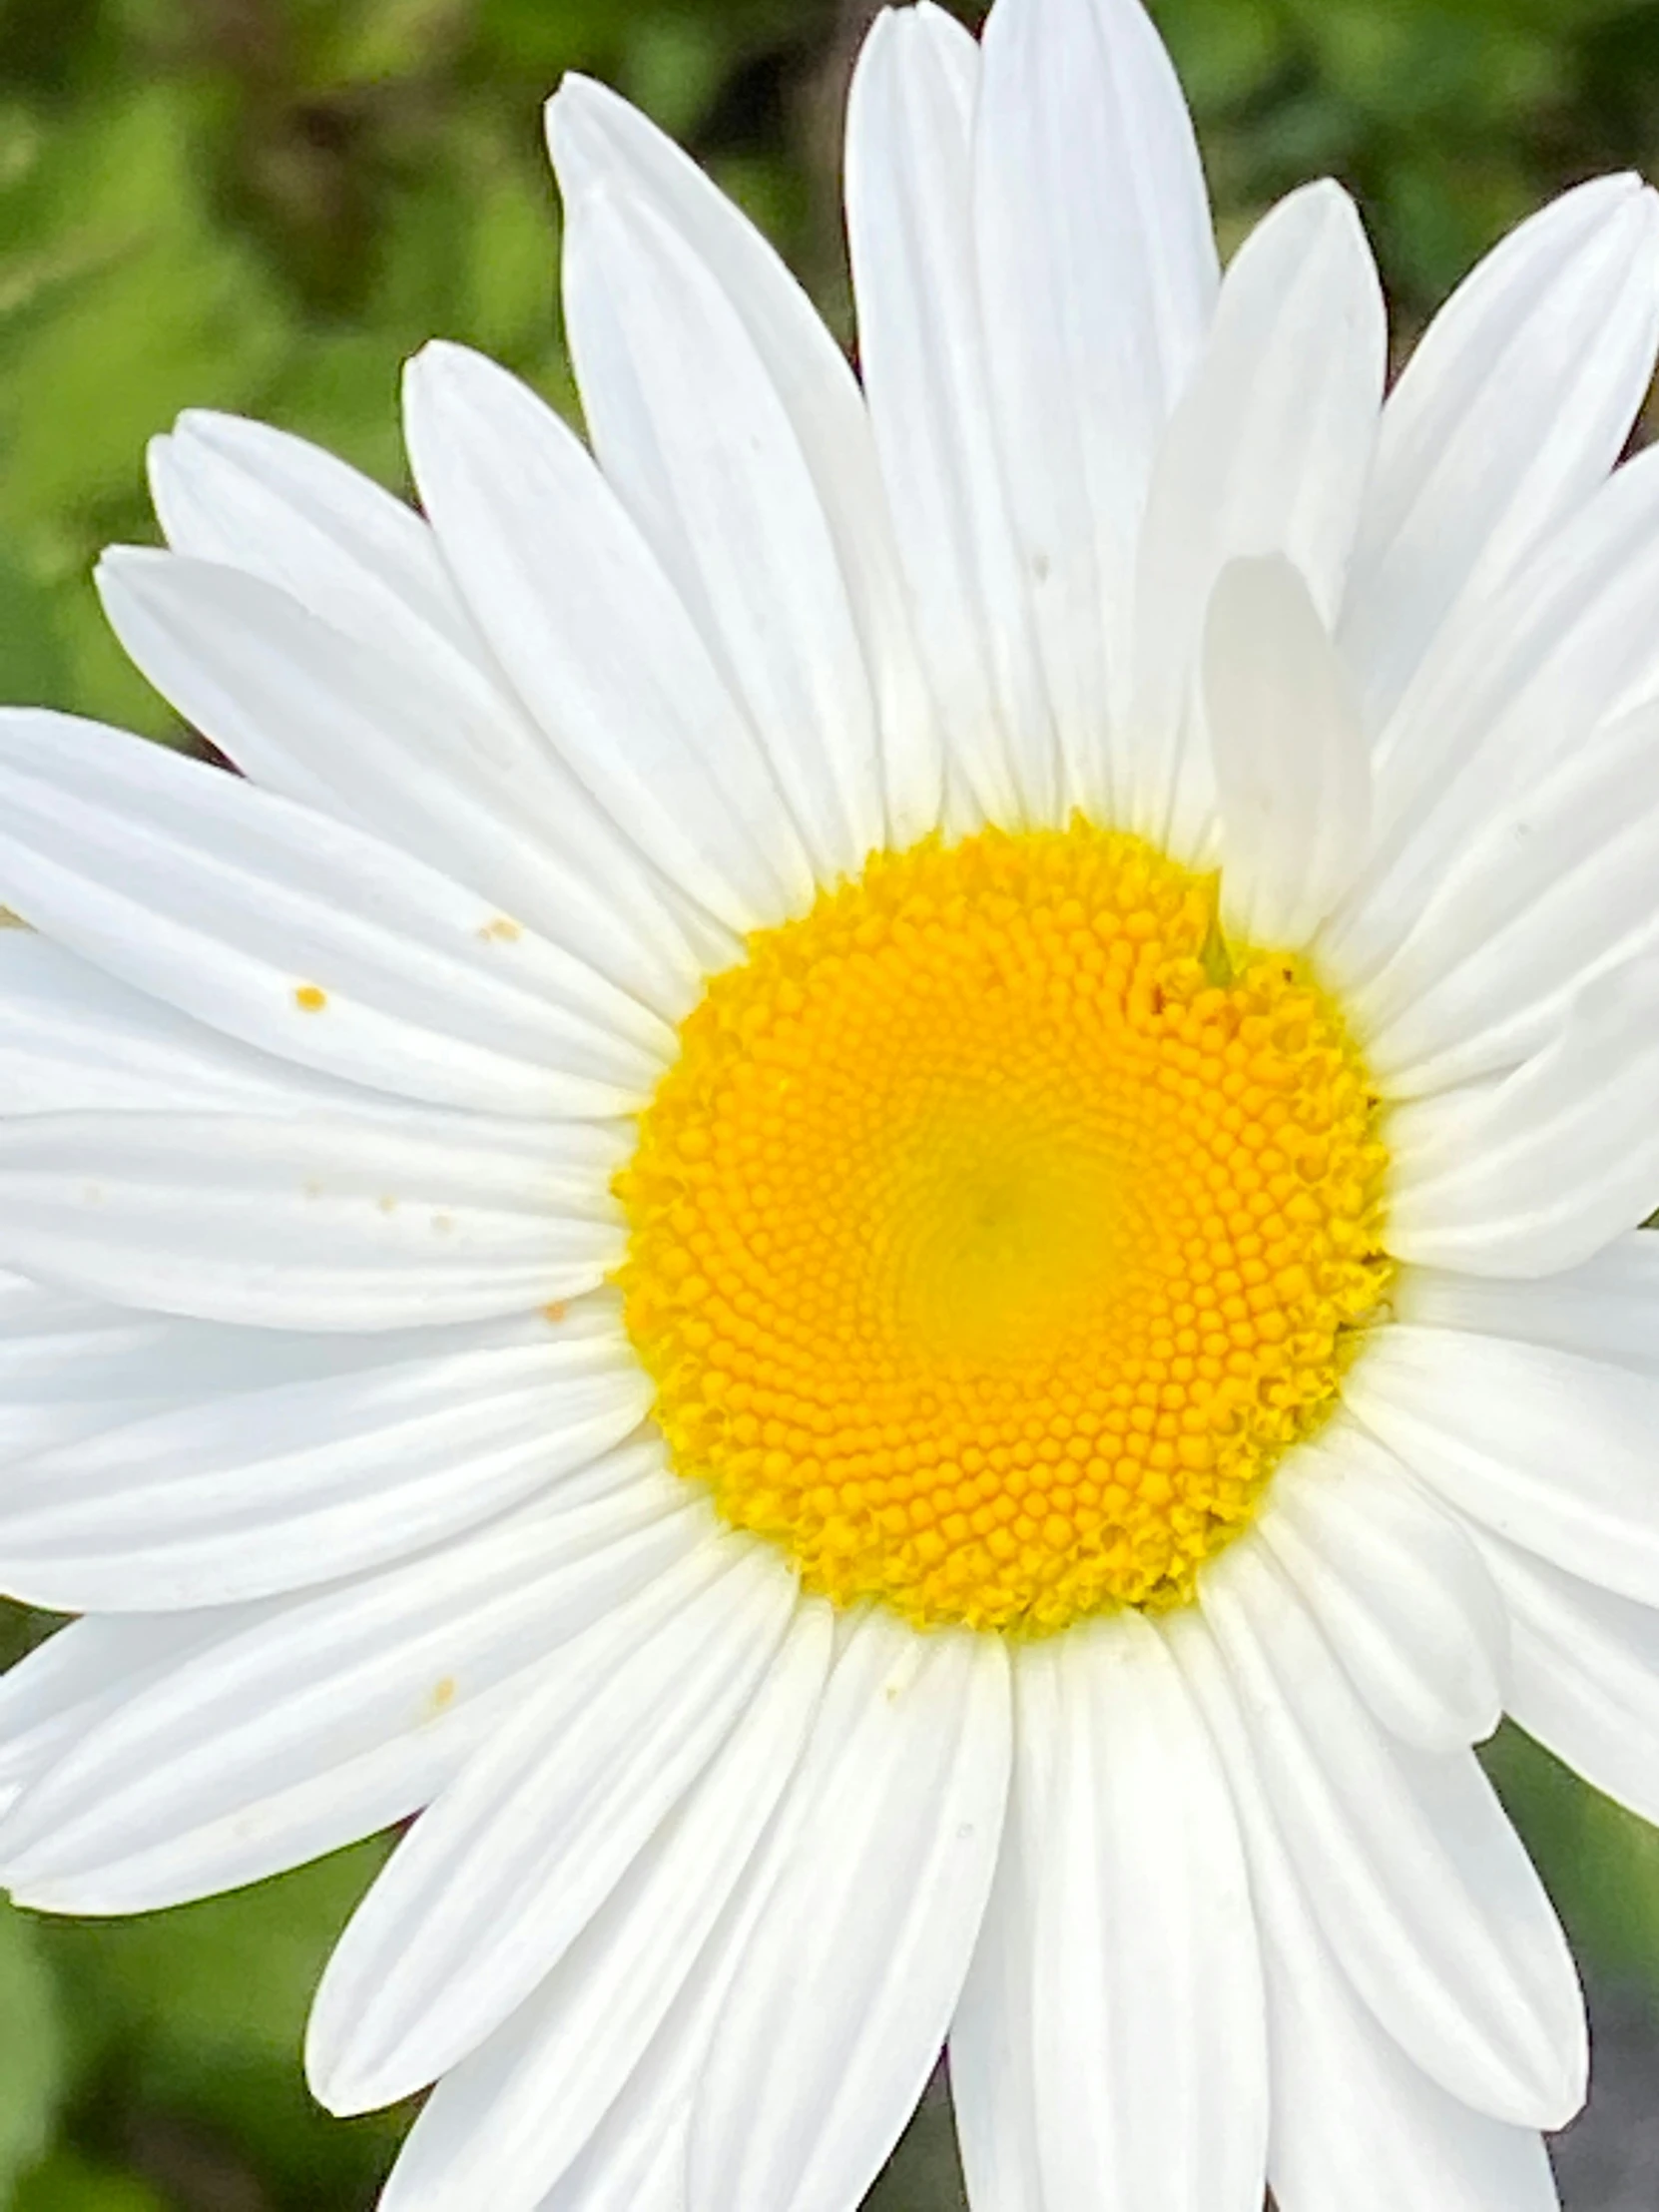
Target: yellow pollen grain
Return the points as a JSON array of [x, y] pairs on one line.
[[309, 999], [997, 1230]]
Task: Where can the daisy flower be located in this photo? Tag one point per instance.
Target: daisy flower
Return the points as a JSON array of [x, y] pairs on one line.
[[870, 1209]]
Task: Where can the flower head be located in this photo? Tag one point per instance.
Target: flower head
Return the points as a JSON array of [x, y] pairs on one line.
[[872, 1203]]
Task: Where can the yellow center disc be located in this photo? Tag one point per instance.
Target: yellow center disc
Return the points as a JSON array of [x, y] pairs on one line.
[[995, 1233]]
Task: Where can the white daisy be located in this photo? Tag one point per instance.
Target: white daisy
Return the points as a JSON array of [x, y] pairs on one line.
[[872, 1206]]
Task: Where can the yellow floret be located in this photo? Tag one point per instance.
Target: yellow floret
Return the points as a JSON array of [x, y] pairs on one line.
[[996, 1232]]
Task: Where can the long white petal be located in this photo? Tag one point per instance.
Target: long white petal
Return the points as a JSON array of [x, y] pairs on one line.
[[1147, 1985], [1607, 1308], [1514, 406], [1355, 2127], [691, 430], [304, 1725], [72, 1367], [993, 2052], [909, 195], [1420, 1887], [1098, 274], [73, 1039], [246, 496], [846, 1987], [302, 935], [1268, 453], [1397, 1585], [299, 1482], [506, 2125], [344, 727], [595, 138], [637, 2158], [1555, 888], [1506, 692], [318, 1224], [1586, 1675], [253, 497], [1535, 1175], [1292, 766], [1550, 1450], [498, 1879], [596, 639], [57, 1346], [82, 1674]]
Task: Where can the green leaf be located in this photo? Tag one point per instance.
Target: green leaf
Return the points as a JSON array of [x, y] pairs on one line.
[[1599, 1862]]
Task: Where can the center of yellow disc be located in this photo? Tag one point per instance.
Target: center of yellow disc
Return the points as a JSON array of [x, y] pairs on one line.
[[996, 1231]]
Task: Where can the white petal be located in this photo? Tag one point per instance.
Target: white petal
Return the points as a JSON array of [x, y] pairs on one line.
[[1586, 1675], [877, 1887], [635, 2160], [993, 2052], [691, 430], [1608, 1309], [595, 638], [81, 1675], [1507, 691], [499, 1878], [910, 199], [71, 1039], [639, 2166], [1147, 1984], [1268, 453], [1554, 1451], [1398, 1587], [239, 492], [1556, 888], [69, 1366], [249, 497], [104, 1357], [1535, 1175], [1419, 1885], [507, 2122], [27, 1307], [1098, 269], [299, 1482], [321, 1224], [1513, 407], [242, 909], [344, 727], [307, 1724], [595, 135], [1355, 2127], [1292, 766]]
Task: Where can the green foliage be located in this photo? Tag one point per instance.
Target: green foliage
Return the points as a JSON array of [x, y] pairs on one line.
[[1601, 1863], [33, 2050], [68, 2183], [266, 205], [172, 2045]]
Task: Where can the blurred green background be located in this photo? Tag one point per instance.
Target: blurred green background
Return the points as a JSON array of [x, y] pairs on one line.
[[265, 204]]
